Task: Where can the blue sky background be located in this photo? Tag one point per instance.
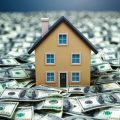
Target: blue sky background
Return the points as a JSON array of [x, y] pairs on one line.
[[46, 5]]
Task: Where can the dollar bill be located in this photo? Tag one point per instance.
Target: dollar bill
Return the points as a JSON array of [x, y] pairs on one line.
[[103, 79], [8, 62], [71, 105], [109, 57], [24, 113], [98, 101], [82, 90], [53, 103], [112, 113], [7, 109], [104, 68], [7, 84], [108, 87], [112, 77], [96, 61], [14, 73], [30, 94]]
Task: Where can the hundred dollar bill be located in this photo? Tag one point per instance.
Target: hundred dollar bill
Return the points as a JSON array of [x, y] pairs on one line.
[[103, 67], [108, 87], [112, 77], [7, 84], [104, 79], [98, 101], [8, 62], [53, 103], [26, 94], [24, 113], [51, 117], [112, 113], [116, 76], [80, 117], [14, 73], [82, 90], [7, 109], [71, 105], [96, 61], [109, 57]]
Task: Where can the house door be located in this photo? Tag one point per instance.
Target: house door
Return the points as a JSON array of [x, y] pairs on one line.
[[63, 79]]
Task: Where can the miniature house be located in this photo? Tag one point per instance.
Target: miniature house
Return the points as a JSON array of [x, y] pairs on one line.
[[62, 55]]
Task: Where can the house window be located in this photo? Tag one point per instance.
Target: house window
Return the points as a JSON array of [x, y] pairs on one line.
[[75, 76], [76, 58], [50, 76], [50, 58], [63, 39]]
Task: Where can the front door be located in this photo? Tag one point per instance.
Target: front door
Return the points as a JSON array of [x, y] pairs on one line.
[[63, 79]]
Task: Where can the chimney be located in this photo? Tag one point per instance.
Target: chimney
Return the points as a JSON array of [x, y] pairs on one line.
[[45, 25]]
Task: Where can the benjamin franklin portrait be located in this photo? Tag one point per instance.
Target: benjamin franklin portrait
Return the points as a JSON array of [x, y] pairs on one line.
[[106, 99], [28, 94]]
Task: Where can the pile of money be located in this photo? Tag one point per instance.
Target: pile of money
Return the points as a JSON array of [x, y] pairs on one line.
[[21, 99]]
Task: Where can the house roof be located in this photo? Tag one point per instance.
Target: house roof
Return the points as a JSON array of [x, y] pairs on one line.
[[54, 26]]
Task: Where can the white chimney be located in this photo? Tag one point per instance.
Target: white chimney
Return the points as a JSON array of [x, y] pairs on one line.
[[45, 25]]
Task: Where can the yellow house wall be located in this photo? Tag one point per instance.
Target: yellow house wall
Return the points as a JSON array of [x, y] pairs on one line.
[[62, 57]]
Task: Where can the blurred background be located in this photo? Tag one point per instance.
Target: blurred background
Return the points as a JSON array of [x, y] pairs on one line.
[[46, 5]]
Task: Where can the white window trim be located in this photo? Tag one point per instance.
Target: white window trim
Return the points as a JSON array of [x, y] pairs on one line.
[[66, 36], [46, 76], [79, 76], [80, 58], [46, 58]]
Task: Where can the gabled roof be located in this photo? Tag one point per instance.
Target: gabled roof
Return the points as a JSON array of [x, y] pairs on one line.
[[54, 26]]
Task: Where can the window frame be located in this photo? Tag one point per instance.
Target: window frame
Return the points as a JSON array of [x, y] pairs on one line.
[[66, 39], [46, 76], [47, 53], [79, 76], [79, 58]]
